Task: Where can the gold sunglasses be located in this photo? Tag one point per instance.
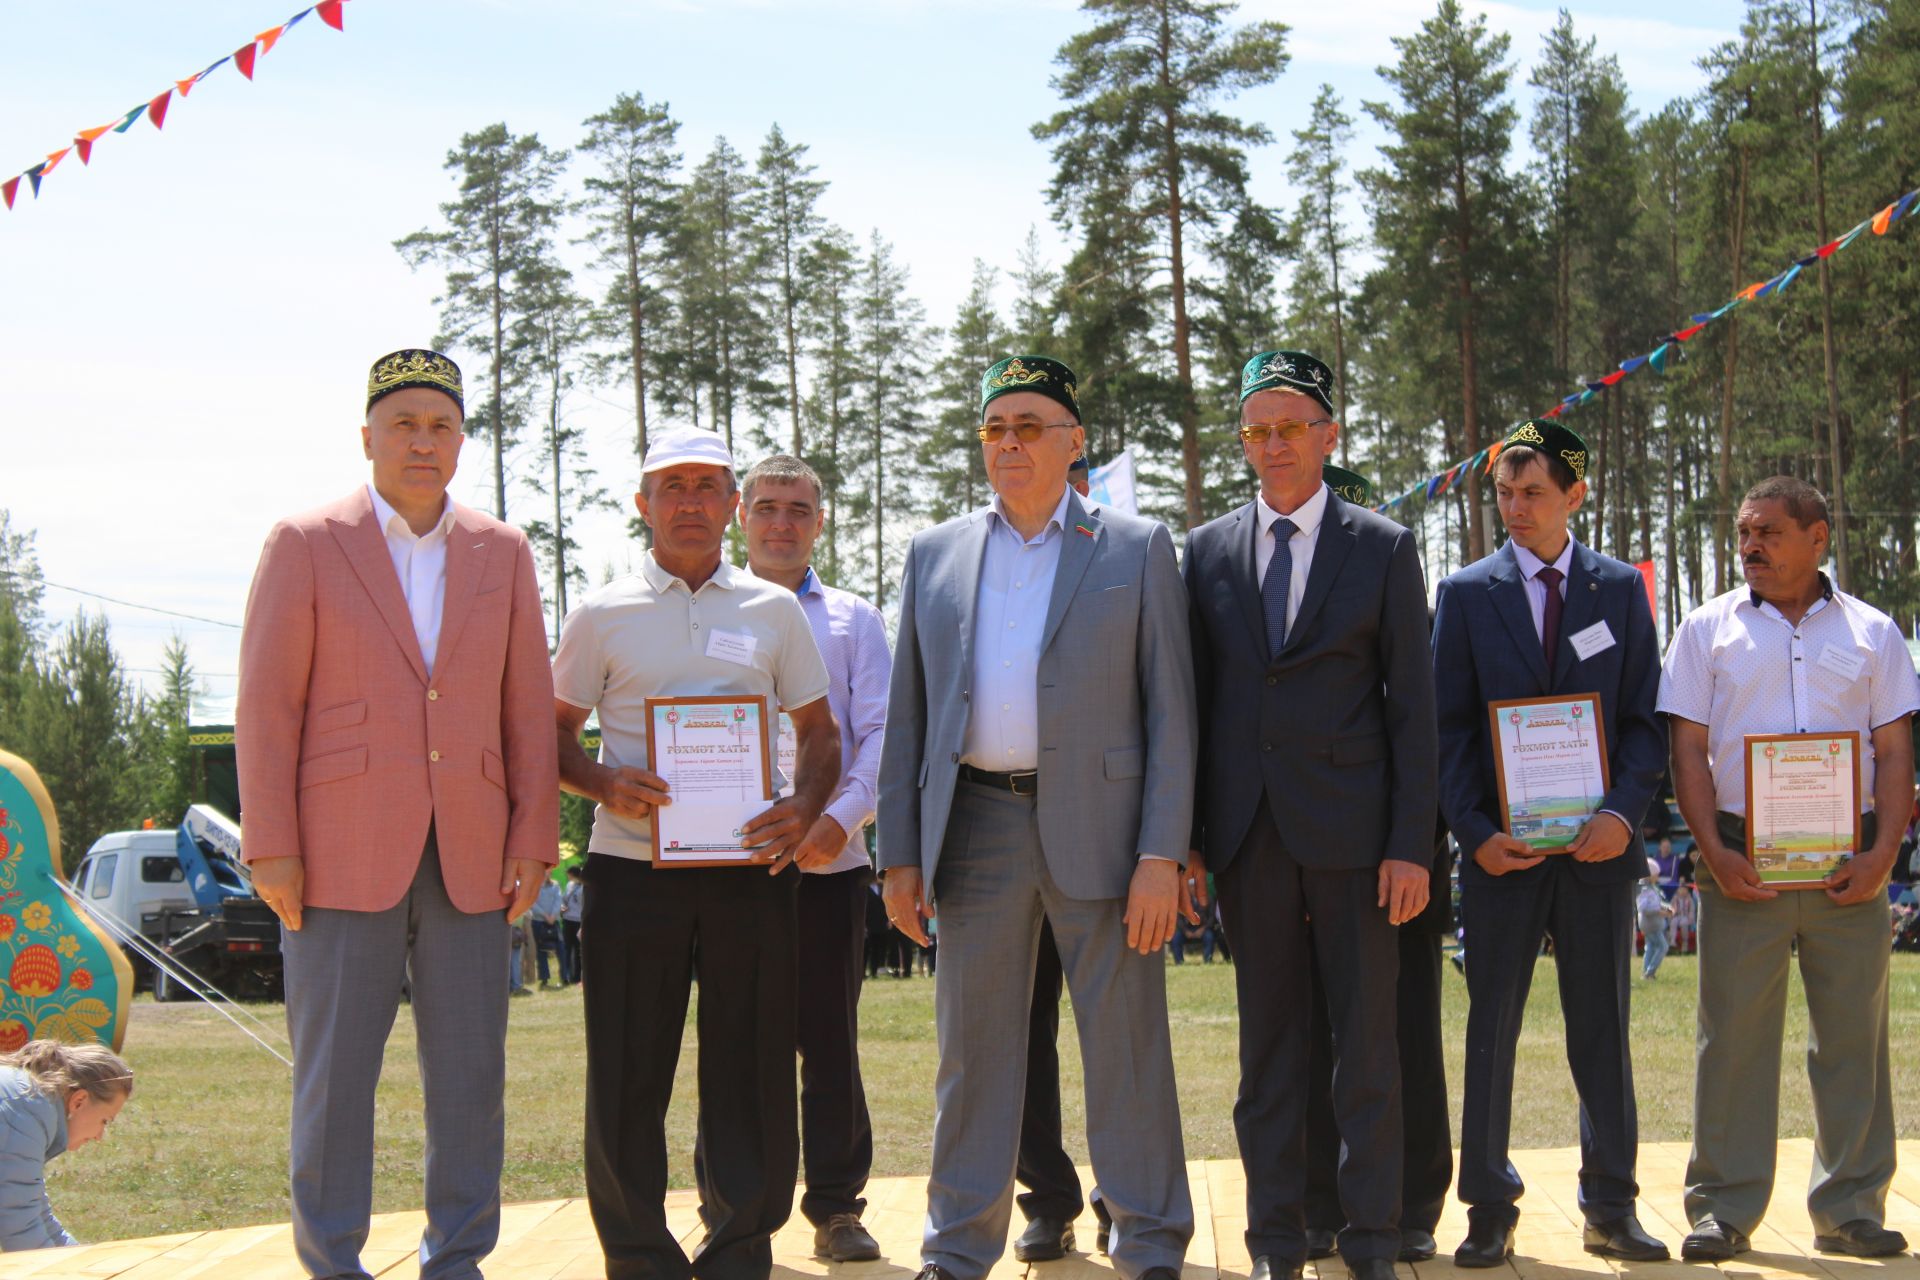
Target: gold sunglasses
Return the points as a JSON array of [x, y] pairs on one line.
[[1028, 432], [1257, 432]]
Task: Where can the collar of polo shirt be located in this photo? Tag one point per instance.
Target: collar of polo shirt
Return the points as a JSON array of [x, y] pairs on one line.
[[726, 577]]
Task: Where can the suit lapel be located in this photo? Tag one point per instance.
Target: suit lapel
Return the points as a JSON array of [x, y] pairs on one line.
[[1583, 602], [972, 549], [1241, 565], [365, 544], [1330, 551], [1509, 594], [467, 548], [1076, 553]]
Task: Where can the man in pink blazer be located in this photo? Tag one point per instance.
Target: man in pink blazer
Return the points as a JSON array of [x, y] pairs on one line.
[[400, 801]]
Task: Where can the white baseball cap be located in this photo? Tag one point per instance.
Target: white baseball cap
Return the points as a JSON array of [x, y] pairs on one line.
[[688, 444]]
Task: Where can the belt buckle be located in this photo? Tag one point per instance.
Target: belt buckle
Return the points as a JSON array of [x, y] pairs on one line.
[[1024, 784]]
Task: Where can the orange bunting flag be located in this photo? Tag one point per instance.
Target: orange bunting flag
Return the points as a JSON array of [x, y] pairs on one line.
[[329, 11], [184, 85], [243, 59], [157, 109], [1493, 451], [267, 40], [1747, 294], [1883, 219], [54, 158]]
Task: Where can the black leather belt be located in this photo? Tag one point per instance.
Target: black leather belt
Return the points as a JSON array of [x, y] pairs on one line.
[[1021, 784]]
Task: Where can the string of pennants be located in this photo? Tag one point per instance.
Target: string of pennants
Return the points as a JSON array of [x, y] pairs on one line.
[[155, 109], [1482, 462]]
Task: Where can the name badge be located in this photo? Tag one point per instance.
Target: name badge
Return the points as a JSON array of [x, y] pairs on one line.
[[732, 646], [1597, 638], [1845, 663]]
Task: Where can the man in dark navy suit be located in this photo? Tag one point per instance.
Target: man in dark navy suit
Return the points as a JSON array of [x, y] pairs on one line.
[[1316, 796], [1545, 616]]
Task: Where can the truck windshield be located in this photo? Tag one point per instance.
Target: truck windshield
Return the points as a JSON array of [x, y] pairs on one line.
[[103, 874]]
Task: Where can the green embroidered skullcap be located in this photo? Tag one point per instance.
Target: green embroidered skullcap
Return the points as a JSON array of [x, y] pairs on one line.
[[1553, 440], [1288, 371], [1046, 376], [1351, 487]]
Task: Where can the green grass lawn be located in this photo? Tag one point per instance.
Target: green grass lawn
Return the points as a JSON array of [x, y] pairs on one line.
[[203, 1144]]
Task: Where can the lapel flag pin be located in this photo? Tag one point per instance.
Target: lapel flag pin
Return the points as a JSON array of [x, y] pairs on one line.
[[1083, 529]]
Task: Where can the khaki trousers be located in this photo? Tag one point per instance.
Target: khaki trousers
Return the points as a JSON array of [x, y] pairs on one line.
[[1745, 949]]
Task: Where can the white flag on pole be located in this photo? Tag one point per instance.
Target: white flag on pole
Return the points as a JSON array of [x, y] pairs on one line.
[[1112, 485]]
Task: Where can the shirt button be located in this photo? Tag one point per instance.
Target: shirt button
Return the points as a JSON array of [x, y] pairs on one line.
[[433, 695], [1266, 746], [1273, 679], [1012, 625], [434, 756], [1006, 706], [696, 626]]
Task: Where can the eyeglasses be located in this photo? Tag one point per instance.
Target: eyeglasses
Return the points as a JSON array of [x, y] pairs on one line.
[[1028, 432], [1257, 432]]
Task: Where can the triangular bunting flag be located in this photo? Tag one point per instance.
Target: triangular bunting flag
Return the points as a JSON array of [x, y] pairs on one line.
[[1882, 220], [1701, 319], [33, 176], [7, 189], [131, 116], [1690, 330], [268, 39], [85, 147], [93, 134], [53, 159], [1628, 366], [1493, 451], [329, 11], [211, 67], [185, 85], [1586, 395], [1613, 377], [1826, 250], [1592, 389], [243, 59], [1556, 411], [1751, 292], [157, 109], [1658, 358], [288, 25], [1906, 205], [1787, 277]]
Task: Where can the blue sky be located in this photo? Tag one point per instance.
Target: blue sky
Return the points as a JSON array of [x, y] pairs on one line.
[[187, 321]]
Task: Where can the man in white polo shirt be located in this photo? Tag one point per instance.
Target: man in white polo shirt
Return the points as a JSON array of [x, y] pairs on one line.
[[647, 934], [1789, 654]]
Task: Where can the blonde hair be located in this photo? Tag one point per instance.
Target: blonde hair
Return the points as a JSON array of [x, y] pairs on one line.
[[60, 1069]]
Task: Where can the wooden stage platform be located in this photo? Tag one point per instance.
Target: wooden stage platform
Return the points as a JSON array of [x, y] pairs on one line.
[[555, 1241]]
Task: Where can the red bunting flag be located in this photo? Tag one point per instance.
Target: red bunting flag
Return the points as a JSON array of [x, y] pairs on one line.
[[329, 11], [1613, 377], [1689, 331], [1646, 575], [84, 140], [7, 189], [268, 38], [157, 109], [243, 59], [1826, 250], [1555, 411]]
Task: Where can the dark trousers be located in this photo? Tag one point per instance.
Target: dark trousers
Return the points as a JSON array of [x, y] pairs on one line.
[[1591, 925], [546, 939], [836, 1133], [1428, 1141], [1044, 1168], [648, 935], [1265, 899], [570, 950]]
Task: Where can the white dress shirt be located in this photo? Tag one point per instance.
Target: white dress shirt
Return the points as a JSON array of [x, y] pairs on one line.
[[1306, 536], [1016, 585], [1531, 565], [420, 562], [1738, 666]]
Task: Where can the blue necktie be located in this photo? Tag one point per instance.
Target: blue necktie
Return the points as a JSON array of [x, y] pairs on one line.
[[1274, 587]]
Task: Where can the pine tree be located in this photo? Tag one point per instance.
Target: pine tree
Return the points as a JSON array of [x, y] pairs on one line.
[[1142, 88], [785, 196], [505, 211], [719, 244], [949, 456], [831, 274], [630, 205], [1318, 232], [79, 723], [886, 321]]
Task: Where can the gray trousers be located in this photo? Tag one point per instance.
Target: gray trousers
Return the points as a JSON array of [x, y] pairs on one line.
[[1745, 948], [992, 892], [344, 971]]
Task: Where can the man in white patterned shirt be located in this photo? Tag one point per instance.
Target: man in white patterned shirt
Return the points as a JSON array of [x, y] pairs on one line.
[[1789, 654], [781, 513]]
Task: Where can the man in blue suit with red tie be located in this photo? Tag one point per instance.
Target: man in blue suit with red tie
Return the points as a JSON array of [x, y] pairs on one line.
[[1544, 616]]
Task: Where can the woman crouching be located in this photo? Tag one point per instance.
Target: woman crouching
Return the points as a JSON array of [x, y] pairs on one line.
[[54, 1098]]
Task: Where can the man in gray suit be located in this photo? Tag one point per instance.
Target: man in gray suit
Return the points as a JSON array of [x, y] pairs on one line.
[[1042, 767]]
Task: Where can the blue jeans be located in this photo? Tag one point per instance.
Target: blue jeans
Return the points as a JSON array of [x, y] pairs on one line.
[[1654, 926]]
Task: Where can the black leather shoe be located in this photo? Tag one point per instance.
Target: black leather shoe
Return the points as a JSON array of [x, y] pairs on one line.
[[1105, 1232], [1712, 1241], [1623, 1238], [1264, 1268], [1044, 1240], [1485, 1246], [1321, 1243], [1862, 1239], [1371, 1269], [1417, 1245], [1159, 1273], [932, 1272], [843, 1239]]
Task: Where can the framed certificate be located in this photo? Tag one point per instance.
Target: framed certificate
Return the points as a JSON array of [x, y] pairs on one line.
[[1550, 755], [715, 754], [1803, 805]]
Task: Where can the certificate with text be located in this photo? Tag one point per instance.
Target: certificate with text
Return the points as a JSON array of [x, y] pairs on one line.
[[1551, 758], [1803, 805], [715, 754]]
